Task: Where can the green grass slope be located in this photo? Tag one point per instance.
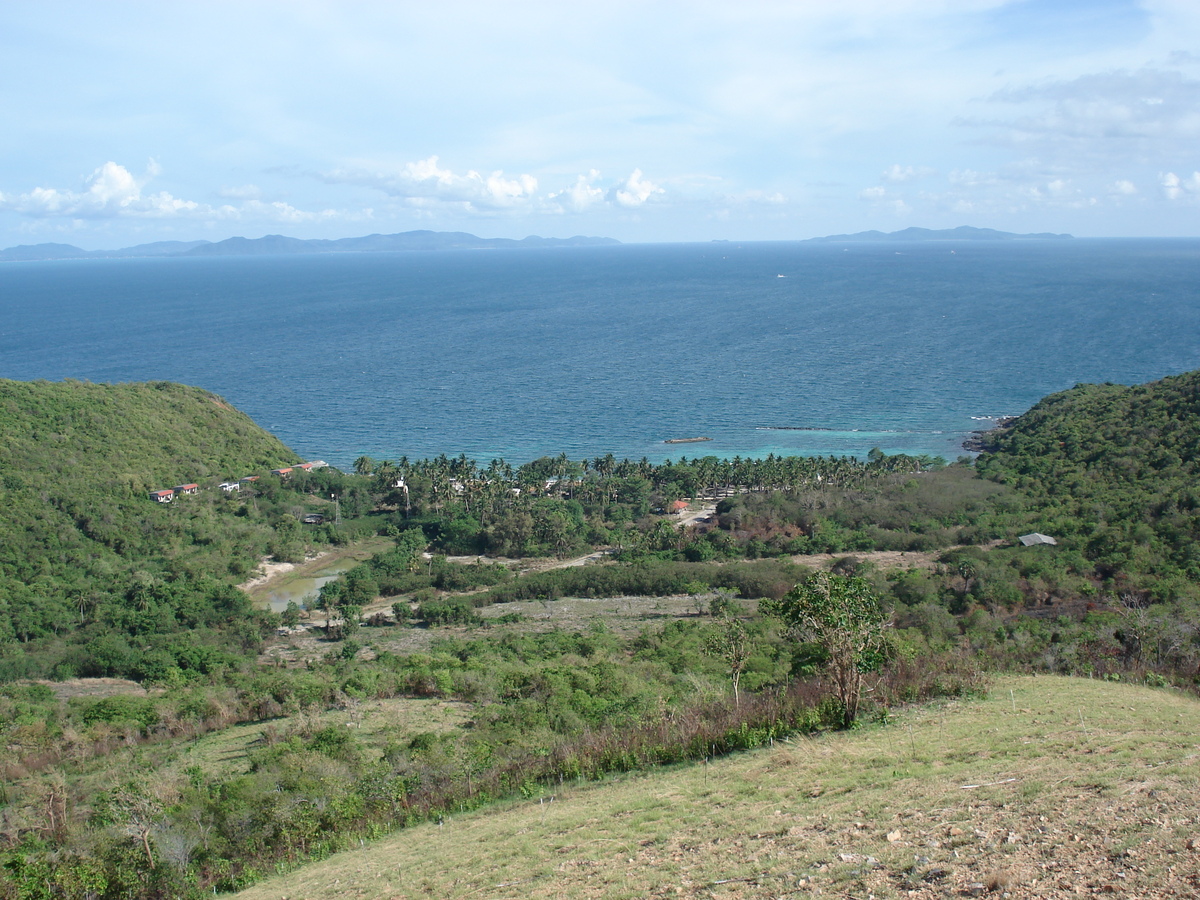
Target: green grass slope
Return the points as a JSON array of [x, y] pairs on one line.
[[81, 543], [1051, 787]]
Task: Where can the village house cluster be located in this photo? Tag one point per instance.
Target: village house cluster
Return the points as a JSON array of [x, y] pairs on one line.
[[166, 495]]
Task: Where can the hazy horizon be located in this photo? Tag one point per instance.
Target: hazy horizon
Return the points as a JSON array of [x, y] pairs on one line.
[[658, 123], [184, 240]]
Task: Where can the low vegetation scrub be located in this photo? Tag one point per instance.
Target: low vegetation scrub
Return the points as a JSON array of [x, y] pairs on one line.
[[923, 590]]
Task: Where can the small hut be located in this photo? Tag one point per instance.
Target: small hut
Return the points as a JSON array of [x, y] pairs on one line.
[[1032, 540]]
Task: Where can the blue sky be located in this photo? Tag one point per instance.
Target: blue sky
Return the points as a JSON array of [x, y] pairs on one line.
[[132, 122]]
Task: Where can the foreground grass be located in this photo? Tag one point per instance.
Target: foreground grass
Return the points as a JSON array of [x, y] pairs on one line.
[[1050, 787]]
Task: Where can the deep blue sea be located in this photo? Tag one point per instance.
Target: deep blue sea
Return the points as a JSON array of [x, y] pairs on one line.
[[764, 347]]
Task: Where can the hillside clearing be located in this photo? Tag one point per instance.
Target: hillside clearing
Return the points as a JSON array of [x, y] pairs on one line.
[[1051, 787]]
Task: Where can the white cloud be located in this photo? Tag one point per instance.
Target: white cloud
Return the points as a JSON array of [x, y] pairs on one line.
[[1125, 188], [971, 178], [109, 191], [425, 183], [582, 194], [897, 172], [1175, 188], [278, 211], [881, 196], [1107, 112], [112, 191], [634, 191]]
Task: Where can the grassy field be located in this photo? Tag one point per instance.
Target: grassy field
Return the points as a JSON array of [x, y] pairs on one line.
[[1050, 787]]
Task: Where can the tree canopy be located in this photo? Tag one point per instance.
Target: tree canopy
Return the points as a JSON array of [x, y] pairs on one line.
[[840, 615]]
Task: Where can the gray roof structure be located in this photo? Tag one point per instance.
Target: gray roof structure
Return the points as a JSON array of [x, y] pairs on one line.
[[1030, 540]]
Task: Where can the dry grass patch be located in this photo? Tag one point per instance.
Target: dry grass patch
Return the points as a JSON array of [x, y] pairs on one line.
[[1052, 787], [94, 688], [376, 723], [624, 616]]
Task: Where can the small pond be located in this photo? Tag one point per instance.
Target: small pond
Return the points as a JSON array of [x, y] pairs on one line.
[[303, 590]]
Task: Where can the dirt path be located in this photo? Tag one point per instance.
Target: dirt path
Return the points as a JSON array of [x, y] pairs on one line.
[[541, 564]]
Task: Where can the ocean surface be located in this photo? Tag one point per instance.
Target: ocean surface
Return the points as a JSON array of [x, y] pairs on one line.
[[790, 348]]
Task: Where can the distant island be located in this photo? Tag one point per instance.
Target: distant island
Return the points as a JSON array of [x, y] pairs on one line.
[[961, 233], [415, 241], [277, 244]]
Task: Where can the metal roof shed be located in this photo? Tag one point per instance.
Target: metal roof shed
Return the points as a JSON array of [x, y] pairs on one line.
[[1030, 540]]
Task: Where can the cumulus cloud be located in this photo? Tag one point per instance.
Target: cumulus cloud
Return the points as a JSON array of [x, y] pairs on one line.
[[110, 191], [1176, 188], [634, 190], [425, 183], [1124, 188], [582, 194]]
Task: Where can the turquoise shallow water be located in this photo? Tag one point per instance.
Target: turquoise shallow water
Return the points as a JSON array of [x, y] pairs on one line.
[[596, 350]]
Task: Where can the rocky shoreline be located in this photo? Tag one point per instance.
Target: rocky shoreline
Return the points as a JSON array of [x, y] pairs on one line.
[[978, 442]]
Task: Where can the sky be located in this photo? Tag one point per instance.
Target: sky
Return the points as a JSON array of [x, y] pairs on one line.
[[127, 122]]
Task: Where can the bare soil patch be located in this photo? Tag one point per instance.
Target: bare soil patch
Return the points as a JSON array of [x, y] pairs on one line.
[[882, 559], [885, 559], [94, 688]]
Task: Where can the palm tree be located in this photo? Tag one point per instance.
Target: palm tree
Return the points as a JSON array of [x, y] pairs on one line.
[[385, 474]]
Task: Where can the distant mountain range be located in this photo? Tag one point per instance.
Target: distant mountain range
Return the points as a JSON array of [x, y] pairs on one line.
[[961, 233], [277, 243], [442, 240]]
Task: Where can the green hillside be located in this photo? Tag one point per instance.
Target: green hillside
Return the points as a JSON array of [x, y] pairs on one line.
[[85, 551], [236, 763], [1117, 470]]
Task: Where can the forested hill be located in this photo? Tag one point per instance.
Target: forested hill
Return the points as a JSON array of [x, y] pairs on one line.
[[1117, 466], [80, 539], [135, 436]]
